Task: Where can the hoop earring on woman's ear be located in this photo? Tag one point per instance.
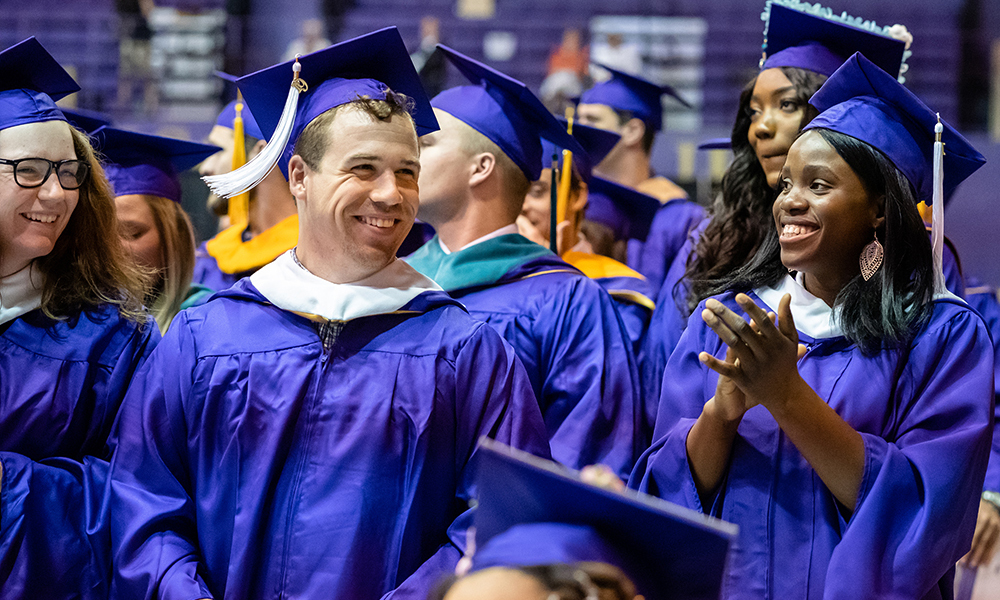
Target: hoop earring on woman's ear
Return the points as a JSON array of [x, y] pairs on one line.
[[871, 259]]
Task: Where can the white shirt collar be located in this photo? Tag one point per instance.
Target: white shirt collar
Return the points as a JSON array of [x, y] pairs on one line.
[[512, 228], [813, 317], [20, 293], [290, 286]]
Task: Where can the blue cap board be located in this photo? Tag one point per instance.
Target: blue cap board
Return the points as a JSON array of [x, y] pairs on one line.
[[634, 94], [31, 82], [627, 212], [250, 126], [505, 111], [819, 43], [87, 121], [532, 512], [596, 143], [228, 114], [137, 163], [863, 101], [366, 66], [720, 143]]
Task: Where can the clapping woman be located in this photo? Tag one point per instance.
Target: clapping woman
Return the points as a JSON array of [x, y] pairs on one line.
[[844, 426]]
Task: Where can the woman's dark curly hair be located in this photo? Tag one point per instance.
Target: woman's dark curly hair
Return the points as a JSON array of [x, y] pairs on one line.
[[741, 217]]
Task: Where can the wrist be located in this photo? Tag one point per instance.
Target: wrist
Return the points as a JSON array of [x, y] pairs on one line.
[[784, 398], [720, 419], [992, 498]]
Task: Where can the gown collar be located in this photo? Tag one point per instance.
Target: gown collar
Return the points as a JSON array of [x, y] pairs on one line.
[[290, 286], [20, 293], [485, 263], [813, 317]]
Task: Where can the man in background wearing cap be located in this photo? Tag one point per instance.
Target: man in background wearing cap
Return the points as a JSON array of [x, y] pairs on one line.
[[307, 433], [631, 107], [269, 228], [475, 172]]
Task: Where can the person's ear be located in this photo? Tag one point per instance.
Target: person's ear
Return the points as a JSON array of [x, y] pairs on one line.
[[878, 218], [298, 171], [632, 132], [483, 165], [257, 149]]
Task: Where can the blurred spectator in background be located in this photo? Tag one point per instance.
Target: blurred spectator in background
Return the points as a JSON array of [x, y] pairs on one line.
[[312, 39], [135, 71], [615, 53], [567, 72], [432, 67], [333, 12]]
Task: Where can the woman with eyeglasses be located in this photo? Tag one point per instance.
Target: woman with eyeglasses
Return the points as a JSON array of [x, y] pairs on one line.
[[72, 326]]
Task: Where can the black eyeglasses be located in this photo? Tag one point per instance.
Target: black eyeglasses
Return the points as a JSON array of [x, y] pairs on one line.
[[33, 172]]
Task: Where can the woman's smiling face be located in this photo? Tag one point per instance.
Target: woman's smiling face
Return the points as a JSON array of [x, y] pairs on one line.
[[823, 213]]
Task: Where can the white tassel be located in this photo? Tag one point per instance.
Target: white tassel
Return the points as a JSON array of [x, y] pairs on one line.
[[937, 214], [251, 174]]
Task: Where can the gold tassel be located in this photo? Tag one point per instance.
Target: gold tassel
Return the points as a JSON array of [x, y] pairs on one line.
[[239, 205], [567, 172]]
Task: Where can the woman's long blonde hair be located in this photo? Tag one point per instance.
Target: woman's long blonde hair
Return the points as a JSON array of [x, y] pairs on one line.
[[177, 256]]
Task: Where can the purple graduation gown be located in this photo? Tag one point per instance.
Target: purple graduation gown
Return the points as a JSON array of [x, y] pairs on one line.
[[568, 335], [54, 541], [631, 296], [668, 232], [669, 318], [61, 382], [925, 416], [251, 463]]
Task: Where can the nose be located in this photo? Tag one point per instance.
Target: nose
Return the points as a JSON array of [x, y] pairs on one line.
[[791, 201], [208, 166], [51, 189], [385, 189], [764, 127]]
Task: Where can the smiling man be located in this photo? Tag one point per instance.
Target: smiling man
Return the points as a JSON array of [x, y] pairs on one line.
[[307, 433]]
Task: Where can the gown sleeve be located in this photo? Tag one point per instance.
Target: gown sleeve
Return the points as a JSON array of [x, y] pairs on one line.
[[154, 533], [53, 528], [919, 498]]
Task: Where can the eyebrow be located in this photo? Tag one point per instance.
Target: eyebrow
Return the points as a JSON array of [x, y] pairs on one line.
[[777, 92], [374, 158]]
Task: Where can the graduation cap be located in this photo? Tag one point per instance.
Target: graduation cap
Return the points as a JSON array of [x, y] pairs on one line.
[[137, 163], [505, 111], [863, 101], [625, 211], [720, 143], [633, 94], [228, 113], [87, 121], [286, 97], [820, 41], [596, 143], [30, 83], [532, 512]]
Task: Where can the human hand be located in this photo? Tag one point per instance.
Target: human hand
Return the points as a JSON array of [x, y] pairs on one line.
[[528, 230], [603, 477], [761, 358], [984, 540]]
